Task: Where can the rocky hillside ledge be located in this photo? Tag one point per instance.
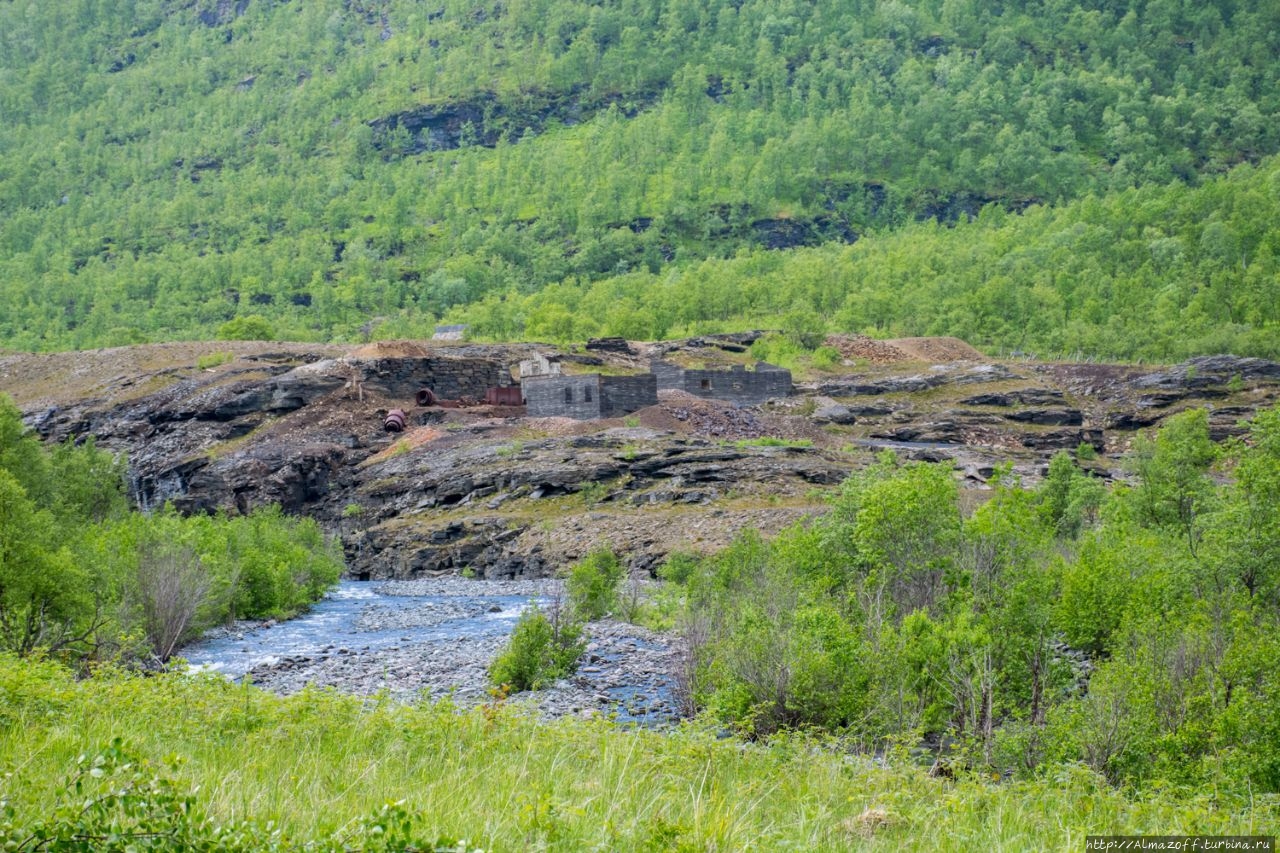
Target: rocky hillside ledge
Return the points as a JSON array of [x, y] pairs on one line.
[[483, 490]]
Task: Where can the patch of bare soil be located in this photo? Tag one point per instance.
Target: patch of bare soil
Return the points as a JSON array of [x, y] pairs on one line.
[[870, 349], [36, 380], [936, 350], [392, 349]]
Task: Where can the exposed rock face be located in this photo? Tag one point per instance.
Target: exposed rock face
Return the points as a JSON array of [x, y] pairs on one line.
[[941, 375], [835, 413], [218, 13], [1048, 417], [1209, 371], [776, 234], [485, 119], [487, 491], [618, 477]]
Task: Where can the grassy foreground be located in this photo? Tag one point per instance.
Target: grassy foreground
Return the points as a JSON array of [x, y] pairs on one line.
[[316, 771]]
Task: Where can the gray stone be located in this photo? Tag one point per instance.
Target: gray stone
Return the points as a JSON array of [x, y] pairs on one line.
[[834, 414]]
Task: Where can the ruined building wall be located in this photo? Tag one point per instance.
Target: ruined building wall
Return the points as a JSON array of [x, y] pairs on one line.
[[625, 394], [562, 396], [670, 376], [738, 385], [588, 396], [448, 378]]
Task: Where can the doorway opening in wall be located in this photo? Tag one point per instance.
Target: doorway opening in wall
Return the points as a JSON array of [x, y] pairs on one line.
[[706, 384]]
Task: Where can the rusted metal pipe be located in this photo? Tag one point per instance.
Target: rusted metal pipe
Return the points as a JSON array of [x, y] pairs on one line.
[[426, 397], [394, 421]]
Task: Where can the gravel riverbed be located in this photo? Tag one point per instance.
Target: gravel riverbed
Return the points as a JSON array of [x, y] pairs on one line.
[[431, 639]]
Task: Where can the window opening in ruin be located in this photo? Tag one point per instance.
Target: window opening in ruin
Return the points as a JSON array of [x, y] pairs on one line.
[[586, 394], [706, 384], [568, 395]]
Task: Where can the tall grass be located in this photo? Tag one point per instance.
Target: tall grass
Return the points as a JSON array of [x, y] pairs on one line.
[[318, 763]]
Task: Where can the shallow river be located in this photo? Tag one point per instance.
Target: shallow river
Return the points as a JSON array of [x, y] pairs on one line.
[[359, 617], [435, 638]]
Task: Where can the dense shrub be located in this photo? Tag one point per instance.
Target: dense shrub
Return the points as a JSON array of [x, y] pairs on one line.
[[543, 647], [1130, 629], [592, 585], [83, 576]]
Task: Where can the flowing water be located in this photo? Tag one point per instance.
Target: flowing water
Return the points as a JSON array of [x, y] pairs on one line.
[[416, 625], [342, 620]]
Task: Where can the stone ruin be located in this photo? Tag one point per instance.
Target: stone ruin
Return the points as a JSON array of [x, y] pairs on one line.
[[550, 393], [737, 385], [587, 396], [448, 378]]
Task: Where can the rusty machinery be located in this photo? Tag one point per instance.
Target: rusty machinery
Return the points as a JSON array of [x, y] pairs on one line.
[[396, 419]]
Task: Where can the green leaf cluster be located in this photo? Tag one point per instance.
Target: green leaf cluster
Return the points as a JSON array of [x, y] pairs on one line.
[[592, 584]]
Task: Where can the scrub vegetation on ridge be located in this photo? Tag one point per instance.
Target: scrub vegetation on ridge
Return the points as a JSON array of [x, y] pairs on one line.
[[560, 169]]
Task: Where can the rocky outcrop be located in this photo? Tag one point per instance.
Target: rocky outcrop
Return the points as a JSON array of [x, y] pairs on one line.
[[486, 491], [835, 413], [776, 234], [484, 119], [938, 377], [1209, 371], [609, 471], [1048, 417], [1020, 397]]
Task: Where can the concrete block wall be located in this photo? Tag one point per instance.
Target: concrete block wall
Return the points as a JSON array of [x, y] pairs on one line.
[[737, 385], [622, 395], [562, 396]]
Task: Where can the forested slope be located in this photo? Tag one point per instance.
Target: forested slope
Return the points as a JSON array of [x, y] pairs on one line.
[[167, 167]]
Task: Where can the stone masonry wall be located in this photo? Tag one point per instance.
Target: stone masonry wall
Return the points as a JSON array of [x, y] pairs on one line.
[[587, 396], [670, 376], [448, 378]]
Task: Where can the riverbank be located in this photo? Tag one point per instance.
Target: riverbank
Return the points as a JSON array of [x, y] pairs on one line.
[[432, 639], [278, 773]]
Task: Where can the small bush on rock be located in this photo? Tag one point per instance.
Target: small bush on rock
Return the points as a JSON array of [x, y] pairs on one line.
[[543, 647]]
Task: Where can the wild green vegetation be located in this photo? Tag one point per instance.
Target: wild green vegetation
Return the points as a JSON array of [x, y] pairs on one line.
[[592, 584], [240, 769], [1131, 629], [84, 578], [1157, 273], [1095, 178], [558, 168], [544, 646], [547, 642]]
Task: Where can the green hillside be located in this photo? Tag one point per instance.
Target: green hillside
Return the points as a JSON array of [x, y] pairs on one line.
[[558, 168]]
